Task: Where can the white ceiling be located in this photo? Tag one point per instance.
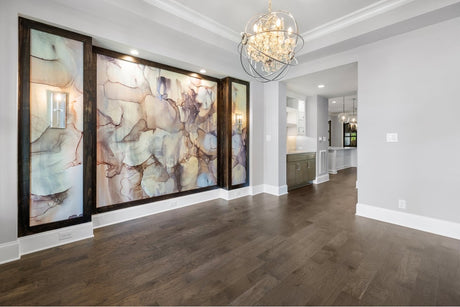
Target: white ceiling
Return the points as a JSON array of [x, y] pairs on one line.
[[195, 34], [309, 14], [338, 81]]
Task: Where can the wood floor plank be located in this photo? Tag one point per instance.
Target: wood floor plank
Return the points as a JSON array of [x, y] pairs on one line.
[[304, 248]]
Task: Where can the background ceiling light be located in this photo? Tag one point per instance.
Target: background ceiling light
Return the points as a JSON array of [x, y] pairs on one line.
[[134, 52], [334, 101], [321, 86], [203, 71]]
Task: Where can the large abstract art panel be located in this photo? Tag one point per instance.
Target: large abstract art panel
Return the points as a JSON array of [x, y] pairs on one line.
[[52, 122], [156, 131]]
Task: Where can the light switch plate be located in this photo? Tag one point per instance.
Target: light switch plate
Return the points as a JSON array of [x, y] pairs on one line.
[[268, 137], [402, 204], [392, 138]]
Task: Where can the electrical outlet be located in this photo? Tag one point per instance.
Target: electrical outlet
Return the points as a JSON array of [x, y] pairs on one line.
[[392, 138], [402, 204], [65, 235]]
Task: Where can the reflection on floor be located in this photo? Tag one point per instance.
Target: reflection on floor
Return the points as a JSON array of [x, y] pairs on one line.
[[303, 248]]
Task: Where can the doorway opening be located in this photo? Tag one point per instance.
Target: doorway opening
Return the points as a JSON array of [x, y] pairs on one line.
[[322, 124]]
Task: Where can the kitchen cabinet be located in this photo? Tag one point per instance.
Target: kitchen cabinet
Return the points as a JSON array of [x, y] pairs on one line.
[[301, 169]]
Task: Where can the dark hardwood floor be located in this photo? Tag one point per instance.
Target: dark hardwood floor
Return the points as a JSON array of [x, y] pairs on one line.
[[305, 248]]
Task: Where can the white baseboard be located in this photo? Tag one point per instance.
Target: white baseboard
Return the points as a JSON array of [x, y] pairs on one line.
[[9, 251], [274, 190], [321, 179], [131, 213], [237, 193], [419, 222], [13, 250], [257, 189], [52, 238]]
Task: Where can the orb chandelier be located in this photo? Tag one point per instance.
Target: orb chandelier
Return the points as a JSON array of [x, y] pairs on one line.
[[269, 44]]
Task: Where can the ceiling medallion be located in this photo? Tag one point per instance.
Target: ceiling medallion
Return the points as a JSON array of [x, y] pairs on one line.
[[269, 44]]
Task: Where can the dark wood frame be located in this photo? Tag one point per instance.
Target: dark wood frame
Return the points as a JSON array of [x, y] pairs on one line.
[[89, 141], [225, 116], [129, 58]]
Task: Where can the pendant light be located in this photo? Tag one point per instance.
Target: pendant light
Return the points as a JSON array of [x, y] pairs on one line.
[[343, 117], [353, 117]]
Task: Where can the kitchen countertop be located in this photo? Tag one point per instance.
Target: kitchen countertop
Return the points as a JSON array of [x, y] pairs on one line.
[[341, 148], [299, 152]]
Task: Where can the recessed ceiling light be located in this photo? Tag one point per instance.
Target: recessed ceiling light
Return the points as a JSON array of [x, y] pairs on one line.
[[203, 71], [321, 86], [334, 101], [134, 52]]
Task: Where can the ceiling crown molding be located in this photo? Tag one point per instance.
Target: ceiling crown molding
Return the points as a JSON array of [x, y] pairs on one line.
[[190, 15], [367, 12]]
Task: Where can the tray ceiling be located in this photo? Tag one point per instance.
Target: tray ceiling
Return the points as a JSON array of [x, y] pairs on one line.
[[309, 14]]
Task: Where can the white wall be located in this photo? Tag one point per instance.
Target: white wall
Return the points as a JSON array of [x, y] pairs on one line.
[[409, 84], [8, 123], [256, 174], [275, 134]]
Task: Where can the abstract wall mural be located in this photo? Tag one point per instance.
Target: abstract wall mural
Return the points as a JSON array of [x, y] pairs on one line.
[[239, 133], [52, 116], [156, 131], [100, 130]]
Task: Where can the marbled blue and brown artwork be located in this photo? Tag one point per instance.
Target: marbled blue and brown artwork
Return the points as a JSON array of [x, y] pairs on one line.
[[239, 133], [156, 132], [56, 95]]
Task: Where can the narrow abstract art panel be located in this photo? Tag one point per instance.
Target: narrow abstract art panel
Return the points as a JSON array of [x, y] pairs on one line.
[[239, 133], [56, 96], [53, 91], [156, 131], [234, 133]]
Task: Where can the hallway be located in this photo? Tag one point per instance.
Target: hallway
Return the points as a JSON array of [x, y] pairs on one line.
[[305, 248]]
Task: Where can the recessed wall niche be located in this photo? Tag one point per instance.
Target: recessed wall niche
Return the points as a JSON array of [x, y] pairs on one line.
[[55, 185], [101, 130], [156, 131]]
